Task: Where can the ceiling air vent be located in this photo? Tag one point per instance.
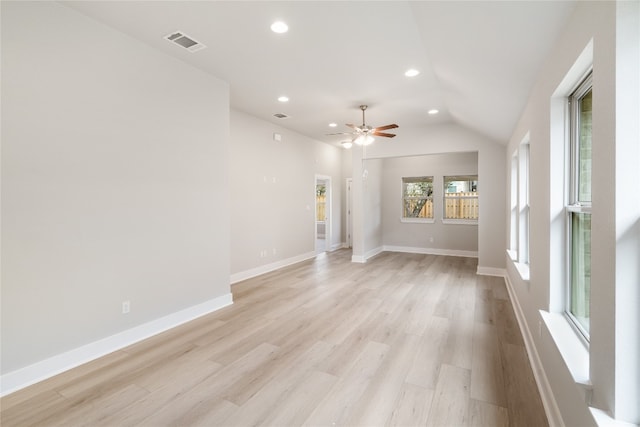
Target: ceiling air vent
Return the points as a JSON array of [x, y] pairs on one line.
[[281, 116], [187, 42]]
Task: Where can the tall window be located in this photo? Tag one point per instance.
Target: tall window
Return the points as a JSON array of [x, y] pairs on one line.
[[579, 207], [523, 203], [417, 198], [513, 204], [461, 198], [519, 204]]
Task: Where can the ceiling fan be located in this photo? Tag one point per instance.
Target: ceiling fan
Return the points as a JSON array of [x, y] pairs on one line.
[[363, 135]]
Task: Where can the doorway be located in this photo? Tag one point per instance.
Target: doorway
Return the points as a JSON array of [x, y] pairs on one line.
[[322, 214]]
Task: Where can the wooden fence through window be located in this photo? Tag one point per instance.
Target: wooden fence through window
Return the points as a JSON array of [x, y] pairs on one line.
[[461, 205], [321, 206]]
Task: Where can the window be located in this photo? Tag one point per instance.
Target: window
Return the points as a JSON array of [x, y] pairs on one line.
[[461, 198], [321, 202], [578, 208], [519, 204], [417, 198], [513, 204], [523, 202]]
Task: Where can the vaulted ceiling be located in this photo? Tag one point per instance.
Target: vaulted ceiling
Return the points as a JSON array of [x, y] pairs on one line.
[[477, 60]]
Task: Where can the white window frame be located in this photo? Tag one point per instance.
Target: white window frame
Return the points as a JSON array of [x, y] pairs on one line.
[[519, 209], [524, 216], [445, 220], [513, 211], [573, 205], [409, 179]]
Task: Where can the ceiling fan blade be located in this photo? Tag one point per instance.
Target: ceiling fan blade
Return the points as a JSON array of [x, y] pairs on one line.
[[352, 126], [393, 126], [386, 135]]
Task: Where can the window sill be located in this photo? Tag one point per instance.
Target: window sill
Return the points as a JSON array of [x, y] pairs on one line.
[[605, 420], [571, 348], [460, 221], [521, 268], [418, 220]]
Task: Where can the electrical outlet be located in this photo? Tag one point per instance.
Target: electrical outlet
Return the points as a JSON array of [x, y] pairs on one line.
[[126, 306]]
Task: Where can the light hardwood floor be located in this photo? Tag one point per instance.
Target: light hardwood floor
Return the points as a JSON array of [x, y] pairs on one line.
[[404, 339]]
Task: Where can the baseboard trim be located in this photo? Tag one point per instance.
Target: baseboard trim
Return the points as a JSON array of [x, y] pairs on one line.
[[431, 251], [370, 254], [40, 371], [544, 388], [373, 252], [257, 271], [491, 271], [337, 246]]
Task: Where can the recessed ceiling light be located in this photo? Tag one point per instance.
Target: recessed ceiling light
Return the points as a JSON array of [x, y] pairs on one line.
[[332, 125], [279, 27], [412, 72], [434, 111], [283, 99]]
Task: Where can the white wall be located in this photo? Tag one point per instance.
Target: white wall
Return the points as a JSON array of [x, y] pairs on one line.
[[372, 207], [607, 35], [114, 183], [273, 194], [447, 238], [451, 138]]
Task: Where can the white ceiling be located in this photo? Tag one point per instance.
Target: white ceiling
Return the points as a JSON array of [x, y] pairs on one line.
[[478, 59]]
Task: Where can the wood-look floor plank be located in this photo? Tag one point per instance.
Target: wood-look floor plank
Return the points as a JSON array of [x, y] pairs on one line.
[[450, 404], [506, 323], [25, 413], [341, 399], [482, 414], [342, 355], [208, 394], [94, 413], [300, 401], [412, 406], [524, 407], [430, 354], [405, 339], [487, 379], [379, 399], [88, 387], [29, 393], [163, 393]]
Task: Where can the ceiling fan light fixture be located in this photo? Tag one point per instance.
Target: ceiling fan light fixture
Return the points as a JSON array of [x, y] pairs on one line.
[[364, 140], [347, 144]]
